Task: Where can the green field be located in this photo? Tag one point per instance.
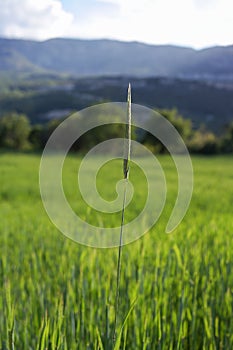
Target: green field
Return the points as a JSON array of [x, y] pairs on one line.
[[57, 294]]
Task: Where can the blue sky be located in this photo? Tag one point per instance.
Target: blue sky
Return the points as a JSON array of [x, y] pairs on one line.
[[195, 23]]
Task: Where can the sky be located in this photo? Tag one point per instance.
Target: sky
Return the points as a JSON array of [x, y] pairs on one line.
[[192, 23]]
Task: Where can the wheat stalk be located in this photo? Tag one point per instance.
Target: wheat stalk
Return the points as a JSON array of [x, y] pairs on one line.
[[126, 161]]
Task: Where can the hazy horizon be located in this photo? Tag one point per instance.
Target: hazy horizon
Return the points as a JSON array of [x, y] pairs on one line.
[[112, 39]]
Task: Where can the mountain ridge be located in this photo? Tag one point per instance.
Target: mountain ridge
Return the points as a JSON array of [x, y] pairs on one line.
[[99, 57]]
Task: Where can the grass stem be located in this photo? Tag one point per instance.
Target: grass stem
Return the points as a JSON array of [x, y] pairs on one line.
[[126, 160]]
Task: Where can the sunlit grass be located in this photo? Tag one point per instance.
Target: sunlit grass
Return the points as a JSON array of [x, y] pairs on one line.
[[61, 294]]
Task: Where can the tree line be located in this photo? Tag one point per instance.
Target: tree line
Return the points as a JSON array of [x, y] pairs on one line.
[[17, 133]]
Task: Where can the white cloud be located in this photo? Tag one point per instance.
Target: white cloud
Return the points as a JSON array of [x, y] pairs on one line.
[[205, 4], [182, 22], [197, 23], [34, 19]]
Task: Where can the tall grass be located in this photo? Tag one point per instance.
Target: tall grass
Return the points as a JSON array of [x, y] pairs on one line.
[[126, 161], [62, 295]]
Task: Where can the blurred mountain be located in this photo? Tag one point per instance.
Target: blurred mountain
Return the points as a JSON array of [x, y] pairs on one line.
[[81, 58], [13, 61]]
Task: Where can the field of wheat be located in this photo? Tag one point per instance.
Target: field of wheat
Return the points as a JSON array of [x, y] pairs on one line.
[[176, 290]]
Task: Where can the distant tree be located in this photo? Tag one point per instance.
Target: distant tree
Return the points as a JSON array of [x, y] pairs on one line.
[[48, 129], [105, 131], [14, 131], [35, 136], [183, 126], [98, 135], [40, 133], [203, 142], [226, 142]]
